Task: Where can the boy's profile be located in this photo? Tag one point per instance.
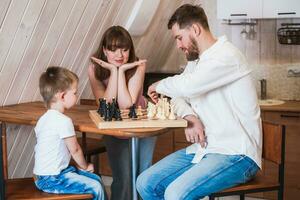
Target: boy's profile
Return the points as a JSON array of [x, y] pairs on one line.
[[57, 142]]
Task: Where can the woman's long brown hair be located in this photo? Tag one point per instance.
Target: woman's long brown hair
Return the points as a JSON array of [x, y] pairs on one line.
[[115, 37]]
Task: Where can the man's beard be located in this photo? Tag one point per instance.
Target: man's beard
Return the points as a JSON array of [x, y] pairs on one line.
[[192, 51]]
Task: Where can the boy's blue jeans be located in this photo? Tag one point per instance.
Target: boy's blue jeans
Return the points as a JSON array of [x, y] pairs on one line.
[[72, 181], [176, 178]]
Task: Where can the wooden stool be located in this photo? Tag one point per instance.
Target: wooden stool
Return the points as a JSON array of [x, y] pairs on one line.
[[25, 189], [273, 151]]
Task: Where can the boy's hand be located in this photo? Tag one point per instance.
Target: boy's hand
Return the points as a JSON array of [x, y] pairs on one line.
[[90, 167]]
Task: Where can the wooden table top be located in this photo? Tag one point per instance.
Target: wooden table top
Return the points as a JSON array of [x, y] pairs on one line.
[[287, 106], [29, 113]]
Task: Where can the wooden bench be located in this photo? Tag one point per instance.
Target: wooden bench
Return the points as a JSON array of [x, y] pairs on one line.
[[25, 189]]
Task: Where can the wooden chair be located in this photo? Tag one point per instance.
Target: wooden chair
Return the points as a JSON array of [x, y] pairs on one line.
[[273, 150], [24, 188]]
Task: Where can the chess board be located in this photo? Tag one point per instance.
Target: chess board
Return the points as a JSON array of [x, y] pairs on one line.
[[142, 122]]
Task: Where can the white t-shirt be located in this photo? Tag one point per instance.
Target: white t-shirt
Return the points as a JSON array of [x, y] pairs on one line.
[[51, 153], [218, 89]]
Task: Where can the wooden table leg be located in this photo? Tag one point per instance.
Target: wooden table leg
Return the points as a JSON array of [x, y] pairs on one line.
[[134, 161]]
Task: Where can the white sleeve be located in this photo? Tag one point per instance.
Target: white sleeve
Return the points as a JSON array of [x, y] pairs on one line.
[[208, 75], [182, 108], [66, 128]]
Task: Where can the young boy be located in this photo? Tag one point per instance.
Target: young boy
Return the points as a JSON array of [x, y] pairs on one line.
[[56, 140]]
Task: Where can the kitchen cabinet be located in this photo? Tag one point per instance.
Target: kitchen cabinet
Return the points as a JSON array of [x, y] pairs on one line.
[[281, 8], [239, 9], [257, 9]]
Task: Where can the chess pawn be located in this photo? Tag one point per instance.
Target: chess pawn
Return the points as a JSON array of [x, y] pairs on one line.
[[139, 111]]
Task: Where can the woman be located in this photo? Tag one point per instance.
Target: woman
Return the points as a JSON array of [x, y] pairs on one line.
[[118, 73]]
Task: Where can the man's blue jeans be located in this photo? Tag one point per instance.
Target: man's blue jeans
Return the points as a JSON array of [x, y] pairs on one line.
[[176, 178], [72, 181]]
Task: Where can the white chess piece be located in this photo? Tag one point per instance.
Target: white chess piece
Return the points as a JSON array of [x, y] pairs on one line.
[[172, 114], [151, 110], [139, 111]]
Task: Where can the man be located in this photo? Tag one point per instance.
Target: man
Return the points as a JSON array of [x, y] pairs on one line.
[[216, 96]]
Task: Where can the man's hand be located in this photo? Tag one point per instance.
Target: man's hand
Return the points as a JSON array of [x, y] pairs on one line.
[[194, 133], [152, 92], [127, 66], [104, 64]]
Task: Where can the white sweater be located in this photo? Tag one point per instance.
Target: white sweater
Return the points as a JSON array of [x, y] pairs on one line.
[[218, 89]]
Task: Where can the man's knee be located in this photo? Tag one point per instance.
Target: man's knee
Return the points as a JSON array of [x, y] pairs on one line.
[[171, 193]]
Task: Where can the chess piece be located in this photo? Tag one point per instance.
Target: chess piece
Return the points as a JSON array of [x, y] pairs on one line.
[[139, 111], [118, 115], [110, 114], [160, 114], [172, 114], [114, 108], [166, 107], [99, 111], [103, 107], [151, 110], [132, 113]]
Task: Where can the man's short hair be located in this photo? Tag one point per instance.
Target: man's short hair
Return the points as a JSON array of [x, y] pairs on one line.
[[188, 14], [54, 80]]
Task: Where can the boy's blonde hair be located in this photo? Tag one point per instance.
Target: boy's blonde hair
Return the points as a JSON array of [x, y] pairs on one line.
[[54, 80]]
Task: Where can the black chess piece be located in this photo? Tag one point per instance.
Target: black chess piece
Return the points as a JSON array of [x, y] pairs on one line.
[[132, 114], [114, 108], [99, 111], [118, 115], [109, 112], [102, 107]]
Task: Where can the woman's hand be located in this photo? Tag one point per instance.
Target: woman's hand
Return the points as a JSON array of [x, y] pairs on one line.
[[127, 66], [104, 64]]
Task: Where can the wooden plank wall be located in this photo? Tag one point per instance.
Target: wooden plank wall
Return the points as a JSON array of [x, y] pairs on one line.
[[37, 33]]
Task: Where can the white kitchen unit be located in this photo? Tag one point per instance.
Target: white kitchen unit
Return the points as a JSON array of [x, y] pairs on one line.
[[258, 9], [239, 9], [281, 8]]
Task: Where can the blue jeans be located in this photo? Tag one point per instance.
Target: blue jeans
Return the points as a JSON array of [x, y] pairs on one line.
[[176, 178], [72, 181], [119, 156]]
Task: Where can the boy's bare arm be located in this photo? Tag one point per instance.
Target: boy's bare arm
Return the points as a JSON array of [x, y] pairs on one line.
[[77, 154]]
